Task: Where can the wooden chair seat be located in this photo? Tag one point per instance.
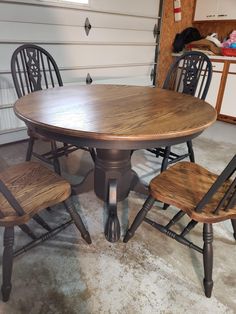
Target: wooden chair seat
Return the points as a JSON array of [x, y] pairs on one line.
[[202, 195], [31, 178], [184, 185], [25, 190]]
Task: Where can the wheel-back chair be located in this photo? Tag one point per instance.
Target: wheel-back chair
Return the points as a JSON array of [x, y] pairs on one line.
[[190, 74], [25, 190], [203, 196], [34, 69]]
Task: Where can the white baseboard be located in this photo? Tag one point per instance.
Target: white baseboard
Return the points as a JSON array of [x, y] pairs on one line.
[[13, 136]]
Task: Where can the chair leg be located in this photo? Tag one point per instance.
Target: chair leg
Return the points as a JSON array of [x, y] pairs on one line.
[[77, 220], [164, 165], [165, 160], [93, 153], [7, 262], [190, 151], [165, 206], [65, 146], [29, 149], [27, 231], [41, 222], [233, 221], [157, 152], [139, 218], [208, 258], [56, 163]]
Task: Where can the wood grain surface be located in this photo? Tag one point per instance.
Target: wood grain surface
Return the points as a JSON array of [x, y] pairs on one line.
[[169, 28], [184, 184], [115, 112], [35, 187]]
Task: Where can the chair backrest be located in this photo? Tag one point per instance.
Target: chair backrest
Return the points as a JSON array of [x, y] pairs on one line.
[[190, 74], [33, 69], [225, 186]]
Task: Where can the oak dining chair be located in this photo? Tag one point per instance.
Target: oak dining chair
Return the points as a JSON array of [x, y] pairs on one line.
[[202, 195], [33, 69], [25, 190], [190, 74]]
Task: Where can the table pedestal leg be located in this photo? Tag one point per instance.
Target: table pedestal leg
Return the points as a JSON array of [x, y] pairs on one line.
[[112, 164], [113, 179], [112, 228]]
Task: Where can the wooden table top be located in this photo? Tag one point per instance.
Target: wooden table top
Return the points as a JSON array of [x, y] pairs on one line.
[[115, 112]]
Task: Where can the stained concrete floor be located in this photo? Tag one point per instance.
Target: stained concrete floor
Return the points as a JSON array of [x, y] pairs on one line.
[[150, 274]]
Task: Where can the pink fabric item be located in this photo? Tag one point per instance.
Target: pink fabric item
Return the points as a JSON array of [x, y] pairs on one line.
[[232, 39]]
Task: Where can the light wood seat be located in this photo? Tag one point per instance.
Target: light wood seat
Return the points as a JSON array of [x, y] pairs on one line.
[[202, 195], [35, 187], [25, 190], [184, 185]]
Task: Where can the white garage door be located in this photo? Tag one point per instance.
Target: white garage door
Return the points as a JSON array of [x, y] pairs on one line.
[[104, 42]]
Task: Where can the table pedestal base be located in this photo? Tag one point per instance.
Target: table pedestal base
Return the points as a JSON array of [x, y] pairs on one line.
[[112, 181]]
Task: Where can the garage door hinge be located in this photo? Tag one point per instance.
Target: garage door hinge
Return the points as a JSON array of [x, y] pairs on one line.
[[156, 31], [89, 79], [87, 26], [152, 75]]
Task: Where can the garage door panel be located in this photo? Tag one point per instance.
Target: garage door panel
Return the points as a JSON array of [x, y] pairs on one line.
[[138, 7], [100, 55], [63, 16], [79, 55], [9, 120], [62, 33], [108, 74]]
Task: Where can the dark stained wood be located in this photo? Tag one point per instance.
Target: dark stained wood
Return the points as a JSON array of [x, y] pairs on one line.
[[184, 185], [35, 187], [33, 69], [114, 119], [7, 262], [208, 258], [110, 112]]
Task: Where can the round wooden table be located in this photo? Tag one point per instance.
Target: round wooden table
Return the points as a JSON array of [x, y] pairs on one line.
[[115, 120]]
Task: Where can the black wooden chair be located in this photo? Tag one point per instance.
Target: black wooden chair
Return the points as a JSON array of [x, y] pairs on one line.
[[190, 74], [25, 190], [33, 69], [203, 196]]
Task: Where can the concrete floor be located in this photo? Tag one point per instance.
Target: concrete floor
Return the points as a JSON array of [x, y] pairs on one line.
[[150, 274]]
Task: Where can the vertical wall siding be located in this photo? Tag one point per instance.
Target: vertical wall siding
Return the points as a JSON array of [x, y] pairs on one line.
[[119, 49], [169, 29]]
